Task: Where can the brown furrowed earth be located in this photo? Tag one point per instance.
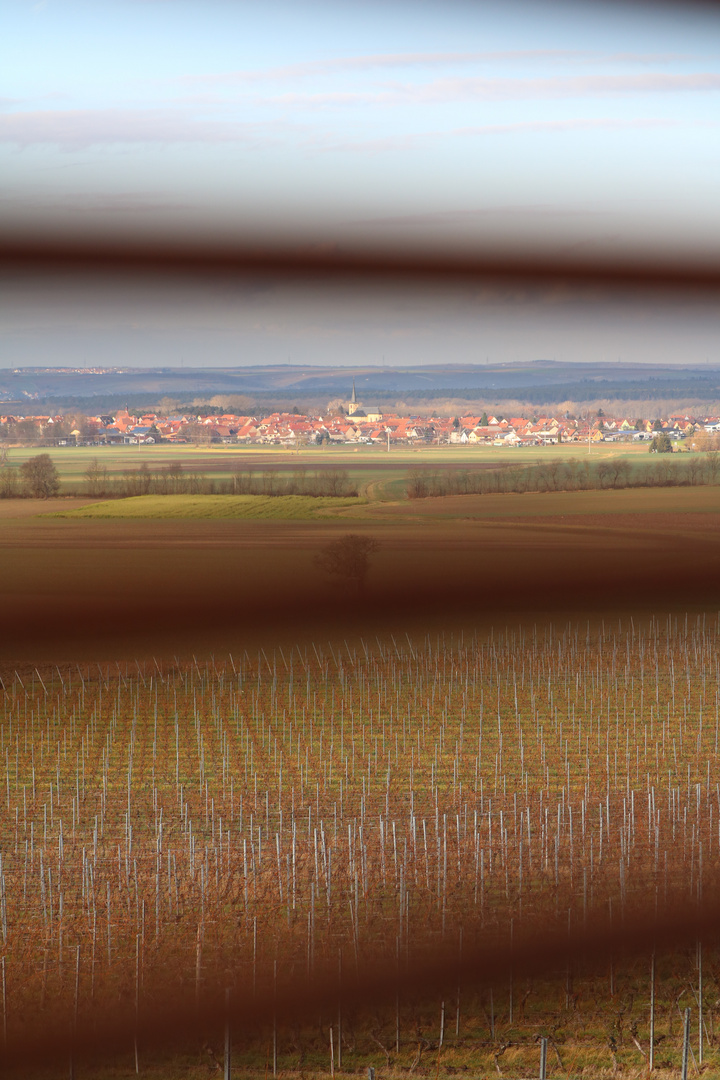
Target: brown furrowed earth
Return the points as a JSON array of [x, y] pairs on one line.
[[93, 588], [222, 768]]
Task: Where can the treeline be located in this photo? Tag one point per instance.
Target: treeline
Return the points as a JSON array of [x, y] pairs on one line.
[[174, 480], [564, 475]]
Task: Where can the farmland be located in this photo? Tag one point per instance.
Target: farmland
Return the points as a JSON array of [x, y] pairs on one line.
[[215, 507], [340, 815], [365, 466], [104, 587], [446, 820]]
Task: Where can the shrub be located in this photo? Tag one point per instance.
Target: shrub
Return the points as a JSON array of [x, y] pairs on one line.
[[40, 477]]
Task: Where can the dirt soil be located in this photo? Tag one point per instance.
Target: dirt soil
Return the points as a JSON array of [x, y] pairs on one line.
[[106, 589]]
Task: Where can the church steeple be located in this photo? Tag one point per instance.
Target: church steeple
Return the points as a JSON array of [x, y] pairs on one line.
[[353, 405]]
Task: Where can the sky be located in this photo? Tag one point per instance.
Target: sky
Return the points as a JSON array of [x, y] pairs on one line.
[[588, 129]]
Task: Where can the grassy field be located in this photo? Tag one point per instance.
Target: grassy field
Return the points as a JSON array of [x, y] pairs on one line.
[[212, 507], [386, 472], [528, 506]]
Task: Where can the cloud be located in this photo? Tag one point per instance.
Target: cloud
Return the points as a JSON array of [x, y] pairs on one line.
[[406, 142], [577, 124], [447, 91], [382, 61], [81, 128], [106, 203], [480, 213], [334, 97], [571, 86], [375, 61]]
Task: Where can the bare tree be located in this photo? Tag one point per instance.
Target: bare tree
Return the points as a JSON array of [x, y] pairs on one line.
[[348, 557], [712, 462], [619, 472], [96, 478], [40, 477]]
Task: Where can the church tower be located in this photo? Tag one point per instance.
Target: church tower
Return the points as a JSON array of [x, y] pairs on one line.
[[354, 408], [353, 405]]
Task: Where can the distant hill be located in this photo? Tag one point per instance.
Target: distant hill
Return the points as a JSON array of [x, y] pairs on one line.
[[541, 382]]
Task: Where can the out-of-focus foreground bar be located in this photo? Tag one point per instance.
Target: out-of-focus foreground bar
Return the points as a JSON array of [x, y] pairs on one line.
[[36, 255]]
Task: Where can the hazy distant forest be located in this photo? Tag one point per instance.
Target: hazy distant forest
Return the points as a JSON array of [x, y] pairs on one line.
[[540, 388]]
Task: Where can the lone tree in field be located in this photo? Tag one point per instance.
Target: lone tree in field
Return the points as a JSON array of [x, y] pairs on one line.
[[40, 477], [348, 557], [661, 444]]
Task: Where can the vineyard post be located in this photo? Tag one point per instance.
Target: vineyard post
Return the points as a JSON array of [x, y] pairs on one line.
[[568, 972], [510, 1004], [457, 1009], [4, 997], [109, 952], [77, 988], [198, 963], [137, 998], [686, 1045], [332, 1054], [612, 967], [254, 955], [44, 984], [73, 1029], [700, 1003], [397, 995], [543, 1058], [274, 1018], [442, 1025], [142, 935], [228, 1045], [339, 1018], [651, 1056]]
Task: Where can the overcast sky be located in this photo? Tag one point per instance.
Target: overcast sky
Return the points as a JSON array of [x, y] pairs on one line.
[[569, 127]]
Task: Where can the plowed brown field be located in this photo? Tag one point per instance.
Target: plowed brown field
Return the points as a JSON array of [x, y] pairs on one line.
[[104, 588]]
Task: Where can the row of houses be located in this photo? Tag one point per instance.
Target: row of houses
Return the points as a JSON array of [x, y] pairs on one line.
[[536, 431], [350, 424]]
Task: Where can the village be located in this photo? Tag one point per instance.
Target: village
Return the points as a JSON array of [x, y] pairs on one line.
[[348, 422]]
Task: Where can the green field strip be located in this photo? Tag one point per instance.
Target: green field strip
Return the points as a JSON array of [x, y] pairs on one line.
[[255, 507]]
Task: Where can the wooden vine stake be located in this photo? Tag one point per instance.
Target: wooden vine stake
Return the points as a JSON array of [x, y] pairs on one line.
[[275, 1039], [228, 1042], [686, 1045], [4, 997], [137, 1001], [700, 1003], [651, 1055]]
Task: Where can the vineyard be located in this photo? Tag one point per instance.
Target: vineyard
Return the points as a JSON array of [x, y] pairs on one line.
[[349, 815]]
